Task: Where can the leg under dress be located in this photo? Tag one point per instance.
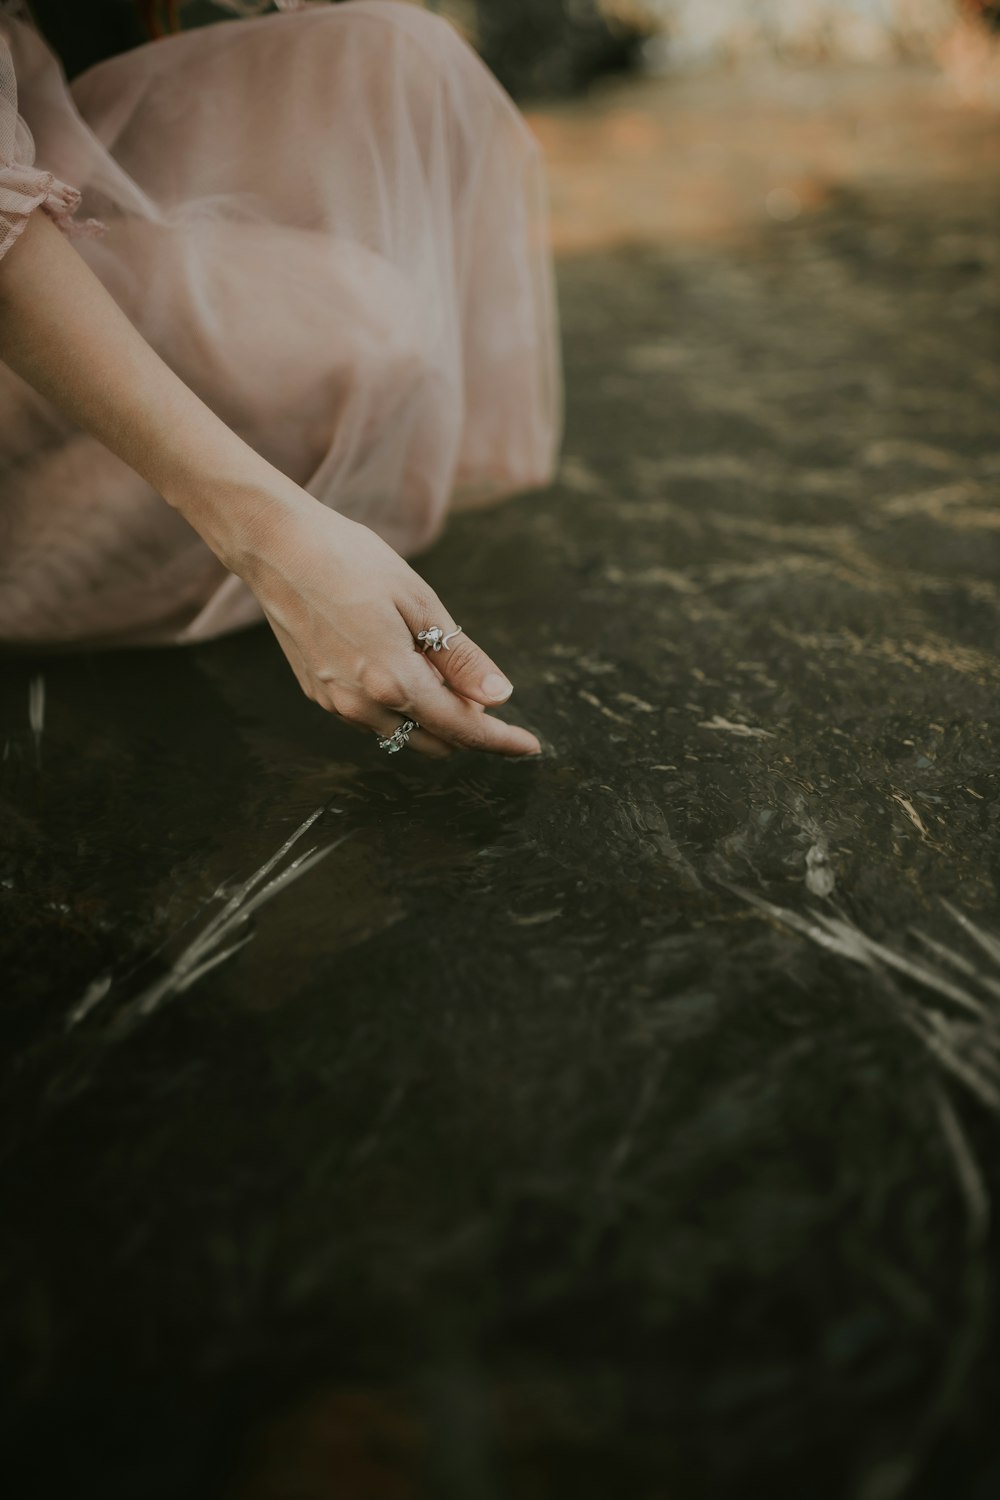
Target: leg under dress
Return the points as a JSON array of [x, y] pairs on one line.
[[332, 224]]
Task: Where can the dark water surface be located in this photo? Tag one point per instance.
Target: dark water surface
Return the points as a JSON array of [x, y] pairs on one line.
[[618, 1124]]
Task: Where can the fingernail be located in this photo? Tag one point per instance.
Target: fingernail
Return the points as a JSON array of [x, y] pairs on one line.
[[497, 687]]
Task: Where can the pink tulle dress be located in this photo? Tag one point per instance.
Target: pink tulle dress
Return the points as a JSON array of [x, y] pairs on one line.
[[331, 222]]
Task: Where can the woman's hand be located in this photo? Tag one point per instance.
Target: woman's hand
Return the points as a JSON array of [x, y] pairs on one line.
[[343, 605], [346, 609]]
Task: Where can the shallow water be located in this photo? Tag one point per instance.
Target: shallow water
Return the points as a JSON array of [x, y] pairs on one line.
[[621, 1123]]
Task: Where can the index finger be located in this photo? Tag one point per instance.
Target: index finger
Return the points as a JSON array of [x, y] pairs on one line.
[[455, 719]]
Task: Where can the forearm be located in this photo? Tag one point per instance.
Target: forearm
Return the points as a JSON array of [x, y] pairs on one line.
[[346, 610], [67, 337]]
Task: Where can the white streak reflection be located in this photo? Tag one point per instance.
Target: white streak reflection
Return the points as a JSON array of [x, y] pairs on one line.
[[222, 936], [36, 711]]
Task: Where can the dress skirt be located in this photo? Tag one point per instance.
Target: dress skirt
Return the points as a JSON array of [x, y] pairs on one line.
[[332, 224]]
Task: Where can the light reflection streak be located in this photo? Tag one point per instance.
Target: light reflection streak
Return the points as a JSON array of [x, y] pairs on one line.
[[214, 943]]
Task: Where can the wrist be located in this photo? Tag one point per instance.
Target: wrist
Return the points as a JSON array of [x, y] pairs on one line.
[[241, 512]]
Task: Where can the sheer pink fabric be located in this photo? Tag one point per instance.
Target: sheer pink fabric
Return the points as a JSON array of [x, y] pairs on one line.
[[23, 187], [332, 223]]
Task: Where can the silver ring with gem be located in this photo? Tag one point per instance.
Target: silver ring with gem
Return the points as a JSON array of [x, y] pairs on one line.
[[434, 638], [398, 738]]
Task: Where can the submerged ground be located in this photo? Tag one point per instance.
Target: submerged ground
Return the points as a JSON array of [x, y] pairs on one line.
[[623, 1124]]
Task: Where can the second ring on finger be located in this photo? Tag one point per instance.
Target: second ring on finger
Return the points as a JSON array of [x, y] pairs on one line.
[[386, 723]]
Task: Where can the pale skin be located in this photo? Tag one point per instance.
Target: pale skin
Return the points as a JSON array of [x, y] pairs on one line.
[[345, 608]]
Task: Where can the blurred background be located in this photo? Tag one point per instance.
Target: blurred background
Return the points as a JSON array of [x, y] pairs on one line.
[[547, 46], [666, 118], [552, 47]]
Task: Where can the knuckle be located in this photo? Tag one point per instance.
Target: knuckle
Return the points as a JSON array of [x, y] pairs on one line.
[[423, 598], [406, 701], [383, 687], [349, 710]]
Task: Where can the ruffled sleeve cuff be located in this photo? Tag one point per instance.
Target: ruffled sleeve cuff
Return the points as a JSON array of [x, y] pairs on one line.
[[23, 189]]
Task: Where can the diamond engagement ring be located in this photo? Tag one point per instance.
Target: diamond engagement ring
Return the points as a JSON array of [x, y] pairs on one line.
[[434, 638], [398, 738]]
